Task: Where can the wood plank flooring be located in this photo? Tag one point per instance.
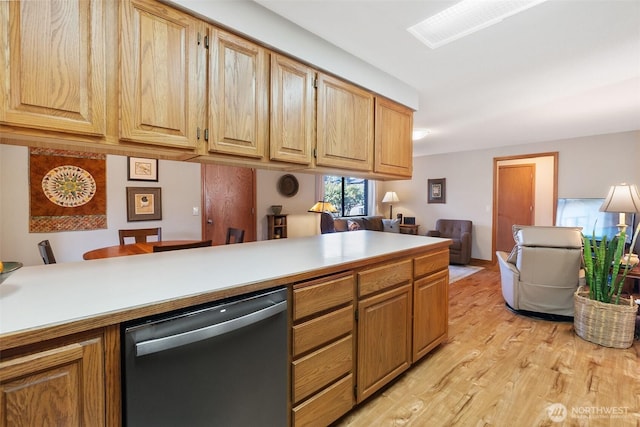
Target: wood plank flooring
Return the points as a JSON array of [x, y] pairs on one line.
[[501, 369]]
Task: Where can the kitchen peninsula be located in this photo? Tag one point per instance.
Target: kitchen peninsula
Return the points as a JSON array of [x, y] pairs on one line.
[[67, 316]]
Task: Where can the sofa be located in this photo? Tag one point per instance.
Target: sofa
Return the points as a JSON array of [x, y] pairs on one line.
[[543, 271], [459, 231], [329, 224]]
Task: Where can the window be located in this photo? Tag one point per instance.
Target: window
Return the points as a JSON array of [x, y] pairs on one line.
[[349, 195]]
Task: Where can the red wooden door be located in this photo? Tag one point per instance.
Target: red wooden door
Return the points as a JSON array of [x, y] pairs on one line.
[[229, 200], [516, 200]]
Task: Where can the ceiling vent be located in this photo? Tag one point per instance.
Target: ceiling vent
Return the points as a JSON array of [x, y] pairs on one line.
[[465, 18]]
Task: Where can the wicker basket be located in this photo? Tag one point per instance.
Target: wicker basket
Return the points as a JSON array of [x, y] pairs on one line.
[[609, 325]]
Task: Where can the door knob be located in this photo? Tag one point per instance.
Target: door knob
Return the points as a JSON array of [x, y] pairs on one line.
[[209, 221]]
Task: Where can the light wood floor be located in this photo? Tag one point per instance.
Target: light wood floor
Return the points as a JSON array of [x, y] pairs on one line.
[[501, 369]]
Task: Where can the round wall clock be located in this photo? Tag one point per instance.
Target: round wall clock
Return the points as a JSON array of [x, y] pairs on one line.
[[288, 185]]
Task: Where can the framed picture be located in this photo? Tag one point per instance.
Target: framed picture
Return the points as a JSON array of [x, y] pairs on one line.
[[437, 190], [144, 203], [141, 169]]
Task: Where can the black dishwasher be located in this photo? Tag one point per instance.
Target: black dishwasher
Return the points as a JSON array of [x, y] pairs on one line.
[[221, 365]]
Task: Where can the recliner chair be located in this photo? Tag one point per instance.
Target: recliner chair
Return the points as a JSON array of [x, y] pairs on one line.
[[459, 231], [543, 270]]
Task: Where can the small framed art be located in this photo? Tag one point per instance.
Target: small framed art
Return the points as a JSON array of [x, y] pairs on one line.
[[144, 203], [437, 190], [141, 169]]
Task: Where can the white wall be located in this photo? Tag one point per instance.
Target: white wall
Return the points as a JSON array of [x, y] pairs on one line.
[[587, 167], [259, 23], [299, 221], [181, 191], [180, 183]]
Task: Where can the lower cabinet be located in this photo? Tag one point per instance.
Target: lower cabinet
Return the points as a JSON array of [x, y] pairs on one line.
[[65, 385], [384, 325], [431, 313], [322, 341], [401, 315], [384, 339]]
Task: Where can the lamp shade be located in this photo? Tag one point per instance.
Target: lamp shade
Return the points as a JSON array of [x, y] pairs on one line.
[[390, 196], [622, 198], [323, 207]]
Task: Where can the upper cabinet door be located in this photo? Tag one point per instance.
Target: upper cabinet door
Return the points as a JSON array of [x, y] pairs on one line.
[[158, 82], [53, 57], [394, 145], [344, 125], [238, 97], [292, 110]]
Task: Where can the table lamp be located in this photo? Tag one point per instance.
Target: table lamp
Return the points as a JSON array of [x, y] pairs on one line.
[[623, 199], [390, 197], [323, 206]]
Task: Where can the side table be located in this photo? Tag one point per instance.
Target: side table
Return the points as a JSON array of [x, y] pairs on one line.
[[633, 277], [409, 228]]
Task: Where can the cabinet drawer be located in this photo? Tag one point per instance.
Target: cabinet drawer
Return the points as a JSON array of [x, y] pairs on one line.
[[320, 368], [320, 295], [376, 279], [431, 262], [327, 406], [321, 330]]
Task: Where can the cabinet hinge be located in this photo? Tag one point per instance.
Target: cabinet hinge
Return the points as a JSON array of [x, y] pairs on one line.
[[206, 42], [315, 153], [355, 391], [315, 83], [356, 315], [206, 134]]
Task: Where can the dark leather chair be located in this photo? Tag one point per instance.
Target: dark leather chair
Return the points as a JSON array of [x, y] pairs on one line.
[[234, 235], [459, 231], [179, 246], [326, 223], [140, 234], [46, 252]]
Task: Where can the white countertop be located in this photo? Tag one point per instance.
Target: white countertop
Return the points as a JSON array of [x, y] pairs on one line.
[[48, 295]]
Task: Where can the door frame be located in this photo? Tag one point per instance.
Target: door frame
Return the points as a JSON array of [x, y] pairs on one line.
[[496, 164]]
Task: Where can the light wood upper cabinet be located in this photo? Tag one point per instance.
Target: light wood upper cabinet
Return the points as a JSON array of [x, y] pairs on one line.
[[292, 111], [344, 125], [238, 96], [393, 138], [64, 386], [158, 92], [53, 54]]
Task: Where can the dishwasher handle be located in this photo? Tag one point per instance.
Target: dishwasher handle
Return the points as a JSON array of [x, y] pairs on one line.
[[188, 337]]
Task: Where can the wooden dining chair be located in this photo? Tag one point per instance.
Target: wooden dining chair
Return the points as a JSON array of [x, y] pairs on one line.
[[46, 252], [140, 234], [234, 235], [179, 246]]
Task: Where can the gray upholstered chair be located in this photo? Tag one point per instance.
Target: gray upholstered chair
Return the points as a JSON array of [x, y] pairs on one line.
[[543, 270], [459, 231]]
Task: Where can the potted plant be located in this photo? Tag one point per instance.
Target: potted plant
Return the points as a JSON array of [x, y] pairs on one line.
[[602, 315]]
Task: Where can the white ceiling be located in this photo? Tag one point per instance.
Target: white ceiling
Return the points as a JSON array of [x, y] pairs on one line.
[[563, 69]]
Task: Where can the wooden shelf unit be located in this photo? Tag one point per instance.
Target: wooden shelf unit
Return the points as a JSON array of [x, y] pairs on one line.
[[277, 227]]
